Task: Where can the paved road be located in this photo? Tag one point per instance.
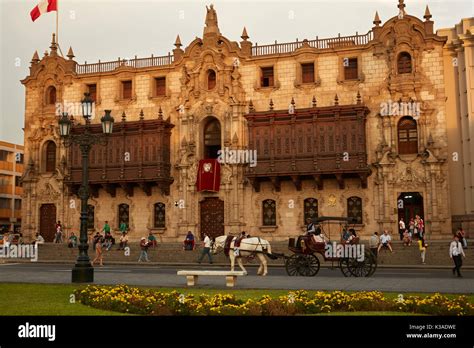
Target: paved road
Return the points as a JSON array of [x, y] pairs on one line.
[[395, 280]]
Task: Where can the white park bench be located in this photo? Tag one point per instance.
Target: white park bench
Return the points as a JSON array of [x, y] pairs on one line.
[[230, 277]]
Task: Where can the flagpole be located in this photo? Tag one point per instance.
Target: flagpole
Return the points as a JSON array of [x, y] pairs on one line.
[[57, 28]]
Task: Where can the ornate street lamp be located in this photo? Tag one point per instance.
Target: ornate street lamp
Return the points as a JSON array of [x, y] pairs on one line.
[[83, 272]]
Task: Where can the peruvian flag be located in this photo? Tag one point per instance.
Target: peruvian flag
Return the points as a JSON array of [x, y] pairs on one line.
[[43, 7]]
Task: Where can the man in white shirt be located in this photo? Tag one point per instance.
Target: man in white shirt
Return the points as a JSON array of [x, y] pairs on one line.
[[207, 249], [456, 252], [385, 241], [401, 228]]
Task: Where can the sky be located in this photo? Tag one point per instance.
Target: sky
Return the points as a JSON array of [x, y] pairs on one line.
[[108, 29]]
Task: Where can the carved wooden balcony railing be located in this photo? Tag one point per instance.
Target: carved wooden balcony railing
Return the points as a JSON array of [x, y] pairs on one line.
[[137, 154], [313, 143]]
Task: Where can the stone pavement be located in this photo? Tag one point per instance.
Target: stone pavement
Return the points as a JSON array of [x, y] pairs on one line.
[[392, 280]]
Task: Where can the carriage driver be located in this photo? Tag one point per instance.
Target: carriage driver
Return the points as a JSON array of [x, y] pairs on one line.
[[310, 227]]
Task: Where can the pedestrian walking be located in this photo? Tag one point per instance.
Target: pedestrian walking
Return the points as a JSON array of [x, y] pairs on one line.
[[144, 245], [456, 252], [206, 250], [422, 246], [98, 251]]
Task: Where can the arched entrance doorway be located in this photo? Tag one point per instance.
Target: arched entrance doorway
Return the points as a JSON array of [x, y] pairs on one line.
[[409, 205], [212, 138]]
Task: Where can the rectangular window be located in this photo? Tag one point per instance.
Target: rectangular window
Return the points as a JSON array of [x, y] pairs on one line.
[[126, 89], [92, 90], [351, 70], [267, 77], [5, 203], [3, 155], [17, 204], [18, 181], [160, 86], [307, 70]]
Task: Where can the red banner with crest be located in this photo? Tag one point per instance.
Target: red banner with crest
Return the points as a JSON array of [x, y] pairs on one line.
[[209, 175]]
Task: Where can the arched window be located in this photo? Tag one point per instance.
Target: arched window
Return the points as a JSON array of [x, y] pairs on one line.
[[211, 79], [160, 215], [50, 156], [310, 209], [123, 214], [90, 216], [407, 136], [212, 138], [269, 212], [51, 95], [404, 63], [354, 208]]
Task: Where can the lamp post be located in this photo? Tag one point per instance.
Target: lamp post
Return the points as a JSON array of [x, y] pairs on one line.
[[83, 272]]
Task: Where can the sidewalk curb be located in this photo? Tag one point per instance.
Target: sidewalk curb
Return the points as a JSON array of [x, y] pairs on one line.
[[195, 264]]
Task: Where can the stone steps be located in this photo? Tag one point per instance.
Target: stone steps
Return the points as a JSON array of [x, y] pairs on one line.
[[437, 254]]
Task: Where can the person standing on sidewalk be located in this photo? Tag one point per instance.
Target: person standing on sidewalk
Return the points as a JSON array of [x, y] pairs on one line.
[[98, 251], [144, 250], [456, 252], [207, 249]]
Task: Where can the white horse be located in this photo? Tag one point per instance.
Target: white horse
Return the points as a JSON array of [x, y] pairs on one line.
[[248, 246]]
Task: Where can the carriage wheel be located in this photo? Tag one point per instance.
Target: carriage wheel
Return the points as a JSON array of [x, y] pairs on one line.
[[344, 264], [291, 265], [308, 265], [362, 268]]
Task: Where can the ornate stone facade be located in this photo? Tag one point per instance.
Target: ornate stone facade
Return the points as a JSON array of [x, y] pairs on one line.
[[239, 84]]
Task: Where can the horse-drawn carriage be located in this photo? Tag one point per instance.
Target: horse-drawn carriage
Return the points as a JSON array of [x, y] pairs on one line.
[[353, 260]]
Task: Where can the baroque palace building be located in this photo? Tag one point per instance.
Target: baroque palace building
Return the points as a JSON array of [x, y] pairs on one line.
[[345, 126], [459, 85]]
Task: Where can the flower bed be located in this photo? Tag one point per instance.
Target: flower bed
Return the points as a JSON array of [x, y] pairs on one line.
[[126, 299]]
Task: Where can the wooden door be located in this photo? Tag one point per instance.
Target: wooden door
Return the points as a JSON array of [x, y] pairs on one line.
[[48, 222], [212, 217]]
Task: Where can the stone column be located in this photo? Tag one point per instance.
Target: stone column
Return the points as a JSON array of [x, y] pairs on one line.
[[468, 44], [465, 157]]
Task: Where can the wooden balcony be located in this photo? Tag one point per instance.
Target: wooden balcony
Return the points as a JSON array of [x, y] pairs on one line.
[[6, 166], [137, 154], [6, 189], [312, 143], [5, 213]]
